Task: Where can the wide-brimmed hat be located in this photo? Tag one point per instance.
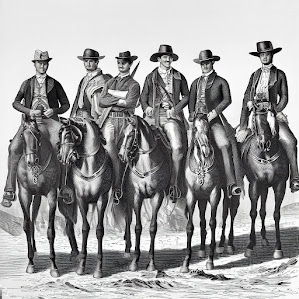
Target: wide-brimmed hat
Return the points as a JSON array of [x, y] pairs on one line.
[[164, 50], [41, 56], [126, 55], [206, 55], [265, 46], [90, 54]]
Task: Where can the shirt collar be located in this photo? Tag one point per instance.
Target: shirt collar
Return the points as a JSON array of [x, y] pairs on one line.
[[267, 67], [164, 72], [208, 74], [41, 76], [93, 73], [123, 75]]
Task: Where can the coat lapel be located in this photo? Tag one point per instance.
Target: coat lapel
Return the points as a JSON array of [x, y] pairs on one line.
[[273, 77], [49, 84], [211, 79]]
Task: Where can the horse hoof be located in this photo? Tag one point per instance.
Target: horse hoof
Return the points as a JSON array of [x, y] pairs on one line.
[[151, 267], [30, 269], [230, 249], [265, 242], [80, 270], [202, 253], [133, 267], [127, 255], [220, 250], [98, 274], [184, 269], [248, 252], [278, 254], [54, 273], [209, 265]]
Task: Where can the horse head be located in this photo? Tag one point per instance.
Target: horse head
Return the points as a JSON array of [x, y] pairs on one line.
[[201, 132], [32, 142], [129, 139], [265, 125], [70, 137]]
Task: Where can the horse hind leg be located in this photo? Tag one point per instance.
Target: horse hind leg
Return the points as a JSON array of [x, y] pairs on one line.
[[279, 192], [234, 205], [220, 248], [127, 236], [264, 195], [157, 201], [101, 207], [189, 230]]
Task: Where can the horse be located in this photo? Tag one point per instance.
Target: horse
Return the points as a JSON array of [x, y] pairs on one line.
[[90, 177], [266, 165], [204, 182], [147, 175], [38, 174]]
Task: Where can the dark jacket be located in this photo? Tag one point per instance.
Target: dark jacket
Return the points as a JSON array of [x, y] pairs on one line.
[[56, 96], [180, 87], [277, 87], [217, 94], [96, 83]]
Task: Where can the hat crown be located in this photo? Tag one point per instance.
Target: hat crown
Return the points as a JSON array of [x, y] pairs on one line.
[[264, 46], [90, 53], [126, 54], [205, 54], [165, 49], [41, 55]]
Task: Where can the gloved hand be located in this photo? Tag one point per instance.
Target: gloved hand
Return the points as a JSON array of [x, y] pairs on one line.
[[241, 135]]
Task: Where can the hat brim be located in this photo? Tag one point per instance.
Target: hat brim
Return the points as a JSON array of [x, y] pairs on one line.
[[213, 58], [155, 56], [132, 58], [84, 57], [274, 51], [47, 60]]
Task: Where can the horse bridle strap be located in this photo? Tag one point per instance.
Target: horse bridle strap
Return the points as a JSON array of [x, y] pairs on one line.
[[95, 174]]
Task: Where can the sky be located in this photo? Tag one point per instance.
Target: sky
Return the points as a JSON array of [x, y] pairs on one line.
[[66, 27]]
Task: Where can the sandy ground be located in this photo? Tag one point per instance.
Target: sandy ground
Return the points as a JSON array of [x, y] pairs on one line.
[[234, 276]]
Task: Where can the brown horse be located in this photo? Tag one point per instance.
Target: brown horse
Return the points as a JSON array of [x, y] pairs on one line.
[[204, 179], [90, 177], [147, 176], [266, 165], [38, 174]]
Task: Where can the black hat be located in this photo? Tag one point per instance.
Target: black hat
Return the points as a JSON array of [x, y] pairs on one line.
[[265, 46], [126, 55], [164, 50], [206, 55], [90, 54]]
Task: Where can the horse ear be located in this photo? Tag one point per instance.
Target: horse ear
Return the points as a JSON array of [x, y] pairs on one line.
[[78, 134], [64, 121]]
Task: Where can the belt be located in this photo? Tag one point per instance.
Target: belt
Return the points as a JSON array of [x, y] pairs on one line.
[[118, 114]]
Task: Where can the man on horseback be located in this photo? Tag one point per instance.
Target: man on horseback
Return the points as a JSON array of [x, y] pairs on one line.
[[85, 102], [41, 98], [117, 102], [269, 85], [210, 94], [163, 108]]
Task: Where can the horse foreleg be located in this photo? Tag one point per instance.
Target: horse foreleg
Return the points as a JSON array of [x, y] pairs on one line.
[[35, 209], [156, 204], [25, 200], [202, 205], [220, 248], [52, 200], [254, 195], [191, 200], [279, 192], [214, 201], [138, 230], [85, 231], [264, 195], [127, 197], [234, 205], [101, 207]]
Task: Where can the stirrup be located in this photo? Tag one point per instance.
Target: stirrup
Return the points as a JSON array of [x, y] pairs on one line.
[[174, 193], [9, 195], [294, 184], [66, 194], [117, 195], [233, 189]]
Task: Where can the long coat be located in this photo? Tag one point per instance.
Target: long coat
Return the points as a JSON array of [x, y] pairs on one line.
[[56, 96], [278, 92]]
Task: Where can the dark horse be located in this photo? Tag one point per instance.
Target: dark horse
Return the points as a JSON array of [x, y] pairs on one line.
[[90, 176], [204, 181], [147, 176], [38, 174], [266, 165]]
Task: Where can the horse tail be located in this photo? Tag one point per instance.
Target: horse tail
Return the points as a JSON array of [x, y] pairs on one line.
[[69, 211], [35, 207]]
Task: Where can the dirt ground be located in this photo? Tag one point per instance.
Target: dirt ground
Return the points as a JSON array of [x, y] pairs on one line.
[[234, 275]]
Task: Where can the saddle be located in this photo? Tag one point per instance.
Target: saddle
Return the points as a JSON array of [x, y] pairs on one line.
[[159, 134]]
